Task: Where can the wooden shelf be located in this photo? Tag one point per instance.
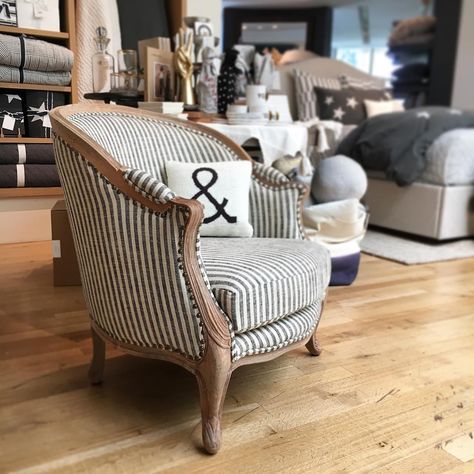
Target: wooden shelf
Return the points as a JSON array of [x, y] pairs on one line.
[[34, 87], [25, 140], [29, 192], [34, 32]]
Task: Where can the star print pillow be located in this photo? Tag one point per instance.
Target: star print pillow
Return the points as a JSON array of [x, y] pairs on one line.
[[346, 105], [223, 189]]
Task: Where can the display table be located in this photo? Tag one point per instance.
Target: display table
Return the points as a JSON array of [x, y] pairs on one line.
[[275, 141]]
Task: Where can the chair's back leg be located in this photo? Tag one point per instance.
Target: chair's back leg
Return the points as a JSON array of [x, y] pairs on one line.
[[96, 369]]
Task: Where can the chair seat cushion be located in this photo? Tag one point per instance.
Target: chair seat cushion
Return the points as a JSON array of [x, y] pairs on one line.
[[258, 281], [281, 333]]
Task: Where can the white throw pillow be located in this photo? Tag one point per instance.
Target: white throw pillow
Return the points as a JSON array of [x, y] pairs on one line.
[[374, 107], [223, 188]]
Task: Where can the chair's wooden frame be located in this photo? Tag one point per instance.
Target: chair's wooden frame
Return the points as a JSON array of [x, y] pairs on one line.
[[214, 369]]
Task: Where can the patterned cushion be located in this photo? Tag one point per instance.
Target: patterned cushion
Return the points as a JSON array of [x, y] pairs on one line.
[[148, 186], [257, 281], [347, 105], [281, 333], [306, 100]]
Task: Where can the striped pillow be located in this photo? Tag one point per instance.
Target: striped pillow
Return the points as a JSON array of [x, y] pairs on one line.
[[351, 82], [148, 186], [306, 100]]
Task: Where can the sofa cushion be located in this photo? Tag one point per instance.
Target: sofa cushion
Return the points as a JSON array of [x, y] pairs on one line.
[[281, 333], [258, 281]]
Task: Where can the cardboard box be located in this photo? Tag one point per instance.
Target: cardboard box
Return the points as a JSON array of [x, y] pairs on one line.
[[65, 267]]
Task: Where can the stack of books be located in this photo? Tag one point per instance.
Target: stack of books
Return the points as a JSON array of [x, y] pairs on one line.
[[169, 108]]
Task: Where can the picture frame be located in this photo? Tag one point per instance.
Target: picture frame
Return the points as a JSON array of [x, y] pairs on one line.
[[8, 13], [159, 75]]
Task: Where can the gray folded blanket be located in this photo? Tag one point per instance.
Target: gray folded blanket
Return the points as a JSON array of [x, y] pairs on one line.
[[30, 153], [15, 74], [34, 55]]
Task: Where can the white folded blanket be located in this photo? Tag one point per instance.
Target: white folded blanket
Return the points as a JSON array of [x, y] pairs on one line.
[[336, 221]]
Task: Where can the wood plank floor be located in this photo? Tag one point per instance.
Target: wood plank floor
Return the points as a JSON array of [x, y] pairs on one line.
[[392, 390]]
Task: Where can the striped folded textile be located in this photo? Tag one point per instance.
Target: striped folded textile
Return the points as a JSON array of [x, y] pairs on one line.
[[34, 55], [28, 176], [35, 153], [17, 75]]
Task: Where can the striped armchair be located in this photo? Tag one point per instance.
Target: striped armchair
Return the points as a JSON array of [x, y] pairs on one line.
[[156, 289]]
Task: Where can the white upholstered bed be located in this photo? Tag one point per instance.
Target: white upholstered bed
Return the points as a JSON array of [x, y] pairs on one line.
[[440, 205]]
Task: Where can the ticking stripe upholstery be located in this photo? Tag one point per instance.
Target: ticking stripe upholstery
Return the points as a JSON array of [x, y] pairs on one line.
[[268, 289], [278, 334], [148, 186], [306, 99], [129, 259], [147, 143], [257, 281]]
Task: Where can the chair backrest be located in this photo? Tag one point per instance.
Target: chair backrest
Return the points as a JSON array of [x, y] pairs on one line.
[[138, 140], [130, 255]]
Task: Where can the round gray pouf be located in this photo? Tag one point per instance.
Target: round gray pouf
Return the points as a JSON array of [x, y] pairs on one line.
[[338, 178]]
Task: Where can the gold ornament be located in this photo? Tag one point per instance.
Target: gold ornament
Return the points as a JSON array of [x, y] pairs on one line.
[[184, 67]]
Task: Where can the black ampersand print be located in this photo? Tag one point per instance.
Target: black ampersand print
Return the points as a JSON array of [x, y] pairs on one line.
[[203, 191]]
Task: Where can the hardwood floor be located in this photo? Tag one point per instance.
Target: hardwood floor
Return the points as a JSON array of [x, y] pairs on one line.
[[392, 392]]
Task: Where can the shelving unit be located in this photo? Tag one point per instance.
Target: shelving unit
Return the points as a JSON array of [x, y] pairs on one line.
[[35, 87], [43, 34], [67, 38], [27, 210]]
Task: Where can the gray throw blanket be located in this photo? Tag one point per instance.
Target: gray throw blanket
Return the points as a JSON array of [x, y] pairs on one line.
[[34, 55], [14, 74], [397, 143]]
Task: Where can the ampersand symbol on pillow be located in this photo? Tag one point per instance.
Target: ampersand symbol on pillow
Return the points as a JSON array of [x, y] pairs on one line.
[[204, 191]]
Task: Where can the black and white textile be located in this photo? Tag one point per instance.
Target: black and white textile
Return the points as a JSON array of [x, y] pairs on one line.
[[258, 281], [268, 290], [148, 186], [223, 190], [306, 99], [34, 55], [346, 105], [278, 334], [12, 117], [31, 153], [38, 105], [147, 144], [15, 74], [29, 176]]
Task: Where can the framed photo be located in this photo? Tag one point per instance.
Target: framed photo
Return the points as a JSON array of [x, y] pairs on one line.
[[159, 75], [8, 13]]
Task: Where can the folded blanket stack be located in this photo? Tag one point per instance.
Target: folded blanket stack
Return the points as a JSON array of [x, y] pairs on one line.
[[417, 31], [28, 60], [30, 165]]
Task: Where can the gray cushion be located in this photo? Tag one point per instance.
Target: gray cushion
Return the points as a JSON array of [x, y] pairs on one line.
[[337, 178], [278, 334], [258, 281]]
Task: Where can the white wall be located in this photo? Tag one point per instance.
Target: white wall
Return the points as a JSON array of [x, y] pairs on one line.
[[463, 92], [208, 8]]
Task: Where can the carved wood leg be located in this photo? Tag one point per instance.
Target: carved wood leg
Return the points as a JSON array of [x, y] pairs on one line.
[[313, 345], [213, 378], [96, 369]]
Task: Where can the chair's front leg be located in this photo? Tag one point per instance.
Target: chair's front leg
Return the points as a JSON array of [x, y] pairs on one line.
[[213, 377]]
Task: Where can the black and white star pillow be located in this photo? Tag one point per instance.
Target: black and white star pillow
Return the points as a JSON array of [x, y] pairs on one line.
[[346, 105]]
